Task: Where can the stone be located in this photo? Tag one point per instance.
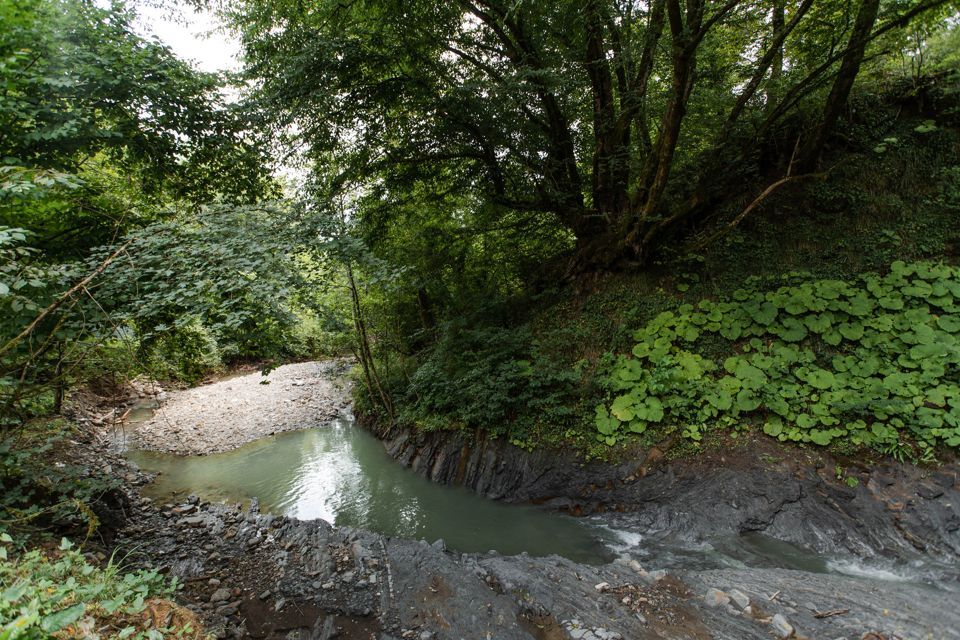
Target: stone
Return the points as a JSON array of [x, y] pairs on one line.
[[214, 582], [220, 595], [739, 598], [782, 628], [193, 499], [192, 521], [945, 480], [715, 597], [326, 586], [601, 587], [929, 493], [266, 594]]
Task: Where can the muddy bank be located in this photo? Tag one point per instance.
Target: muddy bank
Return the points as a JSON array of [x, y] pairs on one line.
[[896, 511], [228, 413]]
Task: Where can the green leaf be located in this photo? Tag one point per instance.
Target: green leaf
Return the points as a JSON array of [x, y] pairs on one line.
[[623, 408], [57, 621], [851, 331], [950, 324], [793, 330], [821, 379], [747, 401], [773, 426], [821, 437]]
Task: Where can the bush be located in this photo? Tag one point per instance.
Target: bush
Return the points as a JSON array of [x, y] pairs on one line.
[[36, 493], [874, 361], [492, 378], [63, 596], [187, 353]]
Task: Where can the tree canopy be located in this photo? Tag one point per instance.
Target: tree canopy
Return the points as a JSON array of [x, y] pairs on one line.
[[626, 122]]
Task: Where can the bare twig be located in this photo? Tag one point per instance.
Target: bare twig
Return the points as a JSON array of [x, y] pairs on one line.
[[831, 613]]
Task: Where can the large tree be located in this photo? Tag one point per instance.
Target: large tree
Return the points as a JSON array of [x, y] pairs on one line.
[[624, 120]]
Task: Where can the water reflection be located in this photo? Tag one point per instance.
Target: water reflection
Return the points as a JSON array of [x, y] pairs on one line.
[[342, 474]]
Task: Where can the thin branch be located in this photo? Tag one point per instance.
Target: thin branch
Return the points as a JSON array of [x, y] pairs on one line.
[[63, 298]]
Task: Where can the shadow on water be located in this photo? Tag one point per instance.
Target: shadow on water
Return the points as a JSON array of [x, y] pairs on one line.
[[343, 475]]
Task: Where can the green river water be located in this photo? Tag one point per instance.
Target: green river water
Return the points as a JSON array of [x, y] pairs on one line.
[[343, 475]]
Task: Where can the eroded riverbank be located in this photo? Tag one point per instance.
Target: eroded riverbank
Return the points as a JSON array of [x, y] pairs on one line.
[[253, 575]]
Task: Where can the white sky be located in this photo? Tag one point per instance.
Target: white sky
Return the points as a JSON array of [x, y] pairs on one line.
[[196, 36]]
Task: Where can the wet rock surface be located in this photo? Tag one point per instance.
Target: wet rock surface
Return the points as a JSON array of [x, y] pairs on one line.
[[896, 511], [254, 575]]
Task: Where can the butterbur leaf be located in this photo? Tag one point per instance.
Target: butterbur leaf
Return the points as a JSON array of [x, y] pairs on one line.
[[821, 379], [57, 621], [623, 408], [818, 436], [773, 426], [851, 331]]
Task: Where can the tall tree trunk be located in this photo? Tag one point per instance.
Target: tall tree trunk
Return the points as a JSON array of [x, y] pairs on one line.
[[778, 25], [842, 85], [371, 377]]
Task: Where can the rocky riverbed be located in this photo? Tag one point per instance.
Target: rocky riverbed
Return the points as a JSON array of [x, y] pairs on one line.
[[226, 414], [257, 575], [249, 574]]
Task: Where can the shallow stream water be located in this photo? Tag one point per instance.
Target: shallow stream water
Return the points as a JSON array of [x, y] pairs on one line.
[[342, 474]]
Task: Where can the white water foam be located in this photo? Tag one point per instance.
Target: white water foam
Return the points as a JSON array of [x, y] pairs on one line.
[[859, 570], [621, 541]]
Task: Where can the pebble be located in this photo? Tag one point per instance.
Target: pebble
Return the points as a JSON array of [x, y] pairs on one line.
[[220, 595], [214, 582], [780, 625], [603, 586], [715, 597], [739, 598]]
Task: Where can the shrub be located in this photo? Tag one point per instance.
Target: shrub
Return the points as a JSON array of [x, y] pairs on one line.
[[875, 361], [64, 596]]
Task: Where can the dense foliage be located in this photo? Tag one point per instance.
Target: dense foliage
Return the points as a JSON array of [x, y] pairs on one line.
[[44, 596], [618, 125], [875, 361], [134, 237]]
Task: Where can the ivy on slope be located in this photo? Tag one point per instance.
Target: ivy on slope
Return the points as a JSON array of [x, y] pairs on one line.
[[874, 361]]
